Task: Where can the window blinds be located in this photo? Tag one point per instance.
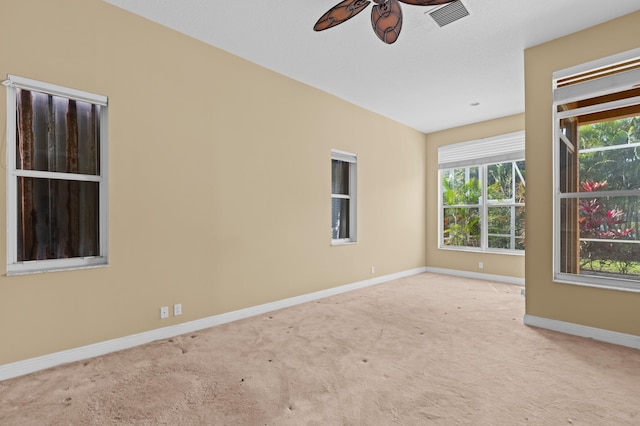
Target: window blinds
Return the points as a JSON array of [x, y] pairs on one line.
[[508, 147], [343, 156], [610, 75], [37, 86], [609, 83]]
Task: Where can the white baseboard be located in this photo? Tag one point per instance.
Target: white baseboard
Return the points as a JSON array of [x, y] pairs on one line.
[[614, 337], [476, 275], [20, 368]]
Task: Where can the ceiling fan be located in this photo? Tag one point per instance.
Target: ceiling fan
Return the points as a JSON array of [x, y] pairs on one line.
[[386, 16]]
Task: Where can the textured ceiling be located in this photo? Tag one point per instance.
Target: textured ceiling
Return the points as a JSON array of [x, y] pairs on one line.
[[427, 80]]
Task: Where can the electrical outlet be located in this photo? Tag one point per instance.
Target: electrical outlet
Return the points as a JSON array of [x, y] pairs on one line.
[[480, 265], [177, 309], [164, 312], [373, 270]]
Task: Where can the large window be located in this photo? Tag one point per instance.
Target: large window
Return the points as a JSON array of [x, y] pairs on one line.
[[597, 173], [343, 197], [56, 172], [482, 186]]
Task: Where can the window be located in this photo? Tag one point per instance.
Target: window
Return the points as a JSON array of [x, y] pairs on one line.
[[482, 186], [597, 173], [56, 172], [343, 197]]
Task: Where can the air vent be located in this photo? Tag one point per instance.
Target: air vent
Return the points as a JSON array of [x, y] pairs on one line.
[[449, 13]]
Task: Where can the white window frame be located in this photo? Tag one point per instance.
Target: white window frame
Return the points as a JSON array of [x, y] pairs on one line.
[[13, 266], [608, 84], [481, 153], [352, 159]]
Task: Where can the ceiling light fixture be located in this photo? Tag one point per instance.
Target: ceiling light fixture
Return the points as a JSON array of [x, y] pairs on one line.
[[386, 16]]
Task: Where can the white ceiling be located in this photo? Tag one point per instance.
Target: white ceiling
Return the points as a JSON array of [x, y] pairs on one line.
[[426, 80]]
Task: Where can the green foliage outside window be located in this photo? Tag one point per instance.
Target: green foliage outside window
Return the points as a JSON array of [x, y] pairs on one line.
[[463, 206], [609, 160], [461, 191]]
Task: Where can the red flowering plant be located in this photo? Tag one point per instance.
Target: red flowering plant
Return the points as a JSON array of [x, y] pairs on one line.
[[599, 223]]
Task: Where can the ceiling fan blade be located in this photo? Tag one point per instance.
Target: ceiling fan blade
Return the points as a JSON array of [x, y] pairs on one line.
[[386, 19], [339, 13], [426, 2]]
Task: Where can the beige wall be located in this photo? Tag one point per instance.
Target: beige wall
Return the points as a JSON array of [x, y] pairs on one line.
[[495, 264], [219, 174], [607, 309]]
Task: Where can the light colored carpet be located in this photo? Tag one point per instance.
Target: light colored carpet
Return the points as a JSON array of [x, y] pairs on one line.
[[424, 350]]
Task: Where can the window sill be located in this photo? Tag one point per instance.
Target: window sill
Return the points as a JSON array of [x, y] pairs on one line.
[[43, 266], [343, 243], [486, 251], [594, 282]]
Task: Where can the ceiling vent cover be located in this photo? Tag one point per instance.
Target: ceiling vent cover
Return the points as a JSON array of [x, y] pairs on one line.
[[449, 13]]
